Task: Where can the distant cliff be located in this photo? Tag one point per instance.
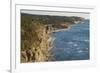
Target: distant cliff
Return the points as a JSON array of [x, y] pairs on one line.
[[57, 22]]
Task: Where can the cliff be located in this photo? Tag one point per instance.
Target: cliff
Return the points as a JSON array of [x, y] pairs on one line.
[[36, 43], [36, 35]]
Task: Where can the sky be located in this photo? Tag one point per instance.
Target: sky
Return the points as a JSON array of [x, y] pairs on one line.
[[35, 12]]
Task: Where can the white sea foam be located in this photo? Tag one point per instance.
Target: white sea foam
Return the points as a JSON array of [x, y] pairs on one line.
[[70, 42], [75, 45], [86, 40], [80, 51]]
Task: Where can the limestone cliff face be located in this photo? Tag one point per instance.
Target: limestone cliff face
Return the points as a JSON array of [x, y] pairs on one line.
[[40, 44]]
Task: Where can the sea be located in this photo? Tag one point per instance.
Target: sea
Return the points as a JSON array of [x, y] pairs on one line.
[[73, 43]]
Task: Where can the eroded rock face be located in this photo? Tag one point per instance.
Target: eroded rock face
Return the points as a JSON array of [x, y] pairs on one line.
[[39, 46], [27, 56]]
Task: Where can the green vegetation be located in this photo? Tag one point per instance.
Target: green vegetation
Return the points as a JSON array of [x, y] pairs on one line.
[[55, 21], [36, 40]]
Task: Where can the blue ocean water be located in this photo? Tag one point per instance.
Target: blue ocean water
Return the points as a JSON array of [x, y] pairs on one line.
[[72, 44]]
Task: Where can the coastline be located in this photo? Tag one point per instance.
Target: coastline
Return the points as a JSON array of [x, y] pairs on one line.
[[62, 29], [65, 28]]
